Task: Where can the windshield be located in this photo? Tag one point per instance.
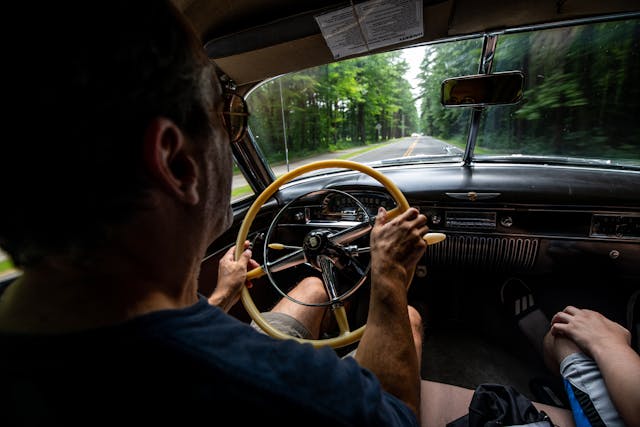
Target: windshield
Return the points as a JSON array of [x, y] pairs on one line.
[[581, 95], [581, 103]]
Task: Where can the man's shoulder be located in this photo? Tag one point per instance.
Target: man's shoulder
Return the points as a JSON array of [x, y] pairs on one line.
[[198, 357]]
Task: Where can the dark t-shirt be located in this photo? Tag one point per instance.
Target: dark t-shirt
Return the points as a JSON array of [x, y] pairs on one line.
[[187, 366]]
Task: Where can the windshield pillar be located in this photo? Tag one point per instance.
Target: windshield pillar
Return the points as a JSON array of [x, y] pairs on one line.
[[251, 163]]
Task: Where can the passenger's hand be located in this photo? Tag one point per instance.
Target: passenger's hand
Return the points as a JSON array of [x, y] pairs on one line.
[[590, 330], [398, 243], [232, 275]]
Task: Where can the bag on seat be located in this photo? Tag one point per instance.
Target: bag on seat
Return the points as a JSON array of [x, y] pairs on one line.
[[496, 405]]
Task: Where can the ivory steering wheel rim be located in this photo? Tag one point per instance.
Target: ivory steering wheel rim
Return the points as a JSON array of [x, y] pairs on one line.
[[345, 338]]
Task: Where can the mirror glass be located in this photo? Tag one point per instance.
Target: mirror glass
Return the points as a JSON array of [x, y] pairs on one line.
[[483, 89]]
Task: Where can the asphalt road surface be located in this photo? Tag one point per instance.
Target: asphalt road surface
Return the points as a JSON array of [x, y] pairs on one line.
[[402, 147]]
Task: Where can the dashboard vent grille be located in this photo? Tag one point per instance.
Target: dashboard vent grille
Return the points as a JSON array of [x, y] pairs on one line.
[[486, 253]]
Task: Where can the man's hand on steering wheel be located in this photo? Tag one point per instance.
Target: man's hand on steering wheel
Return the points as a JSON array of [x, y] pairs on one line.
[[397, 245], [232, 275]]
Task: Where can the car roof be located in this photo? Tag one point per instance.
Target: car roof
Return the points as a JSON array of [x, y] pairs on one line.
[[253, 40]]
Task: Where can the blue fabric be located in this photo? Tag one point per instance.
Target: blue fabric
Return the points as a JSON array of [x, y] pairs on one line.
[[579, 417], [193, 365], [588, 394]]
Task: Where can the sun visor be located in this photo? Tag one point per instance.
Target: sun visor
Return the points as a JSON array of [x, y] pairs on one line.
[[374, 24], [311, 50]]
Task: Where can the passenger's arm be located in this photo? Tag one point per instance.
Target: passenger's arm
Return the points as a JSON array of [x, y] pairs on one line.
[[387, 347], [607, 343]]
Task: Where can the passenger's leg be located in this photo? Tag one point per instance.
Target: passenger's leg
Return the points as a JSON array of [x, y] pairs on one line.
[[588, 395], [443, 403]]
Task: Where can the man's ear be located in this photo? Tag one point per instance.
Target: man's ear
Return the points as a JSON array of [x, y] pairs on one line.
[[169, 161]]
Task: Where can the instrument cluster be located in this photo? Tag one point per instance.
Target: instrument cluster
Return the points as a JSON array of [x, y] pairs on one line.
[[341, 206], [337, 206]]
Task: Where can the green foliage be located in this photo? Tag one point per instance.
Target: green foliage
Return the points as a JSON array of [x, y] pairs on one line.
[[557, 91], [442, 61], [334, 106], [5, 265], [581, 97]]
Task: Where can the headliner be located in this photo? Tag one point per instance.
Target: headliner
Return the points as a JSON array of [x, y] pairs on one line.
[[252, 40]]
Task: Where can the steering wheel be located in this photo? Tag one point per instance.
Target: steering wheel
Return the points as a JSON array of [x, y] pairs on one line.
[[345, 336]]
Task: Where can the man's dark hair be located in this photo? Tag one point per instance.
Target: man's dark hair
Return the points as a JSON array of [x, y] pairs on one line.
[[83, 92]]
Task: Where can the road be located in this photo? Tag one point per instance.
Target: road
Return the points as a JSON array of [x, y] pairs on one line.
[[402, 147]]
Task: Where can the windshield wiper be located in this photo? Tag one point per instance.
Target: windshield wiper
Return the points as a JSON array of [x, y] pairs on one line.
[[555, 160], [421, 158]]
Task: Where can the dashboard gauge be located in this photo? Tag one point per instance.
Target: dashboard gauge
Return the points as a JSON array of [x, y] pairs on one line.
[[342, 206]]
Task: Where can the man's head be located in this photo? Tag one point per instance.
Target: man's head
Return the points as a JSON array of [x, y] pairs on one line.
[[100, 83]]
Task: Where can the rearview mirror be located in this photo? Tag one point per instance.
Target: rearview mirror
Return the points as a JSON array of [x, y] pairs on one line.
[[483, 89]]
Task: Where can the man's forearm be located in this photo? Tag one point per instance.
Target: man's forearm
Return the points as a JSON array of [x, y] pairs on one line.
[[387, 346], [221, 299]]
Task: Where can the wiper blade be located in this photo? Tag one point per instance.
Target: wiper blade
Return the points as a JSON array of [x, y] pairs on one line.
[[421, 158], [555, 160]]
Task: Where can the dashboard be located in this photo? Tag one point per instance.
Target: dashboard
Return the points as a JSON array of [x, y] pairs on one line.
[[563, 224], [499, 218]]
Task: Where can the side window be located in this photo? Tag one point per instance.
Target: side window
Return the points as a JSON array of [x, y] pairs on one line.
[[240, 188], [6, 267]]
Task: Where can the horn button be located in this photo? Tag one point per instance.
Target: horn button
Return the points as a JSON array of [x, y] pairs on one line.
[[316, 243]]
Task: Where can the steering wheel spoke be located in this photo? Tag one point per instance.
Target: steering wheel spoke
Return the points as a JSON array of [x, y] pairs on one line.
[[340, 314], [285, 262], [353, 233], [328, 268]]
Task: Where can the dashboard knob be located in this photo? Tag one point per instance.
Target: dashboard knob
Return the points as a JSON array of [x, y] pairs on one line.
[[506, 221]]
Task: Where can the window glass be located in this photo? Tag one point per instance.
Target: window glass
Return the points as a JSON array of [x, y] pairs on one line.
[[365, 109], [581, 95], [6, 267], [240, 188]]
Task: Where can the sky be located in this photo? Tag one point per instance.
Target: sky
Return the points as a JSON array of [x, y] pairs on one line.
[[414, 57]]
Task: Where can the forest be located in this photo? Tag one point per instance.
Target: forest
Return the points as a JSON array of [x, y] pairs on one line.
[[581, 98]]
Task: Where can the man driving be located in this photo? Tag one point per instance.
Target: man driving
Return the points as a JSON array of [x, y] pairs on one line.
[[127, 143]]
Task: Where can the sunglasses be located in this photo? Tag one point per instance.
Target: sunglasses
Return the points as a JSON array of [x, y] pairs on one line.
[[235, 113]]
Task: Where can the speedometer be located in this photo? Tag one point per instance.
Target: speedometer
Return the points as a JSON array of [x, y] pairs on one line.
[[372, 201], [340, 205]]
